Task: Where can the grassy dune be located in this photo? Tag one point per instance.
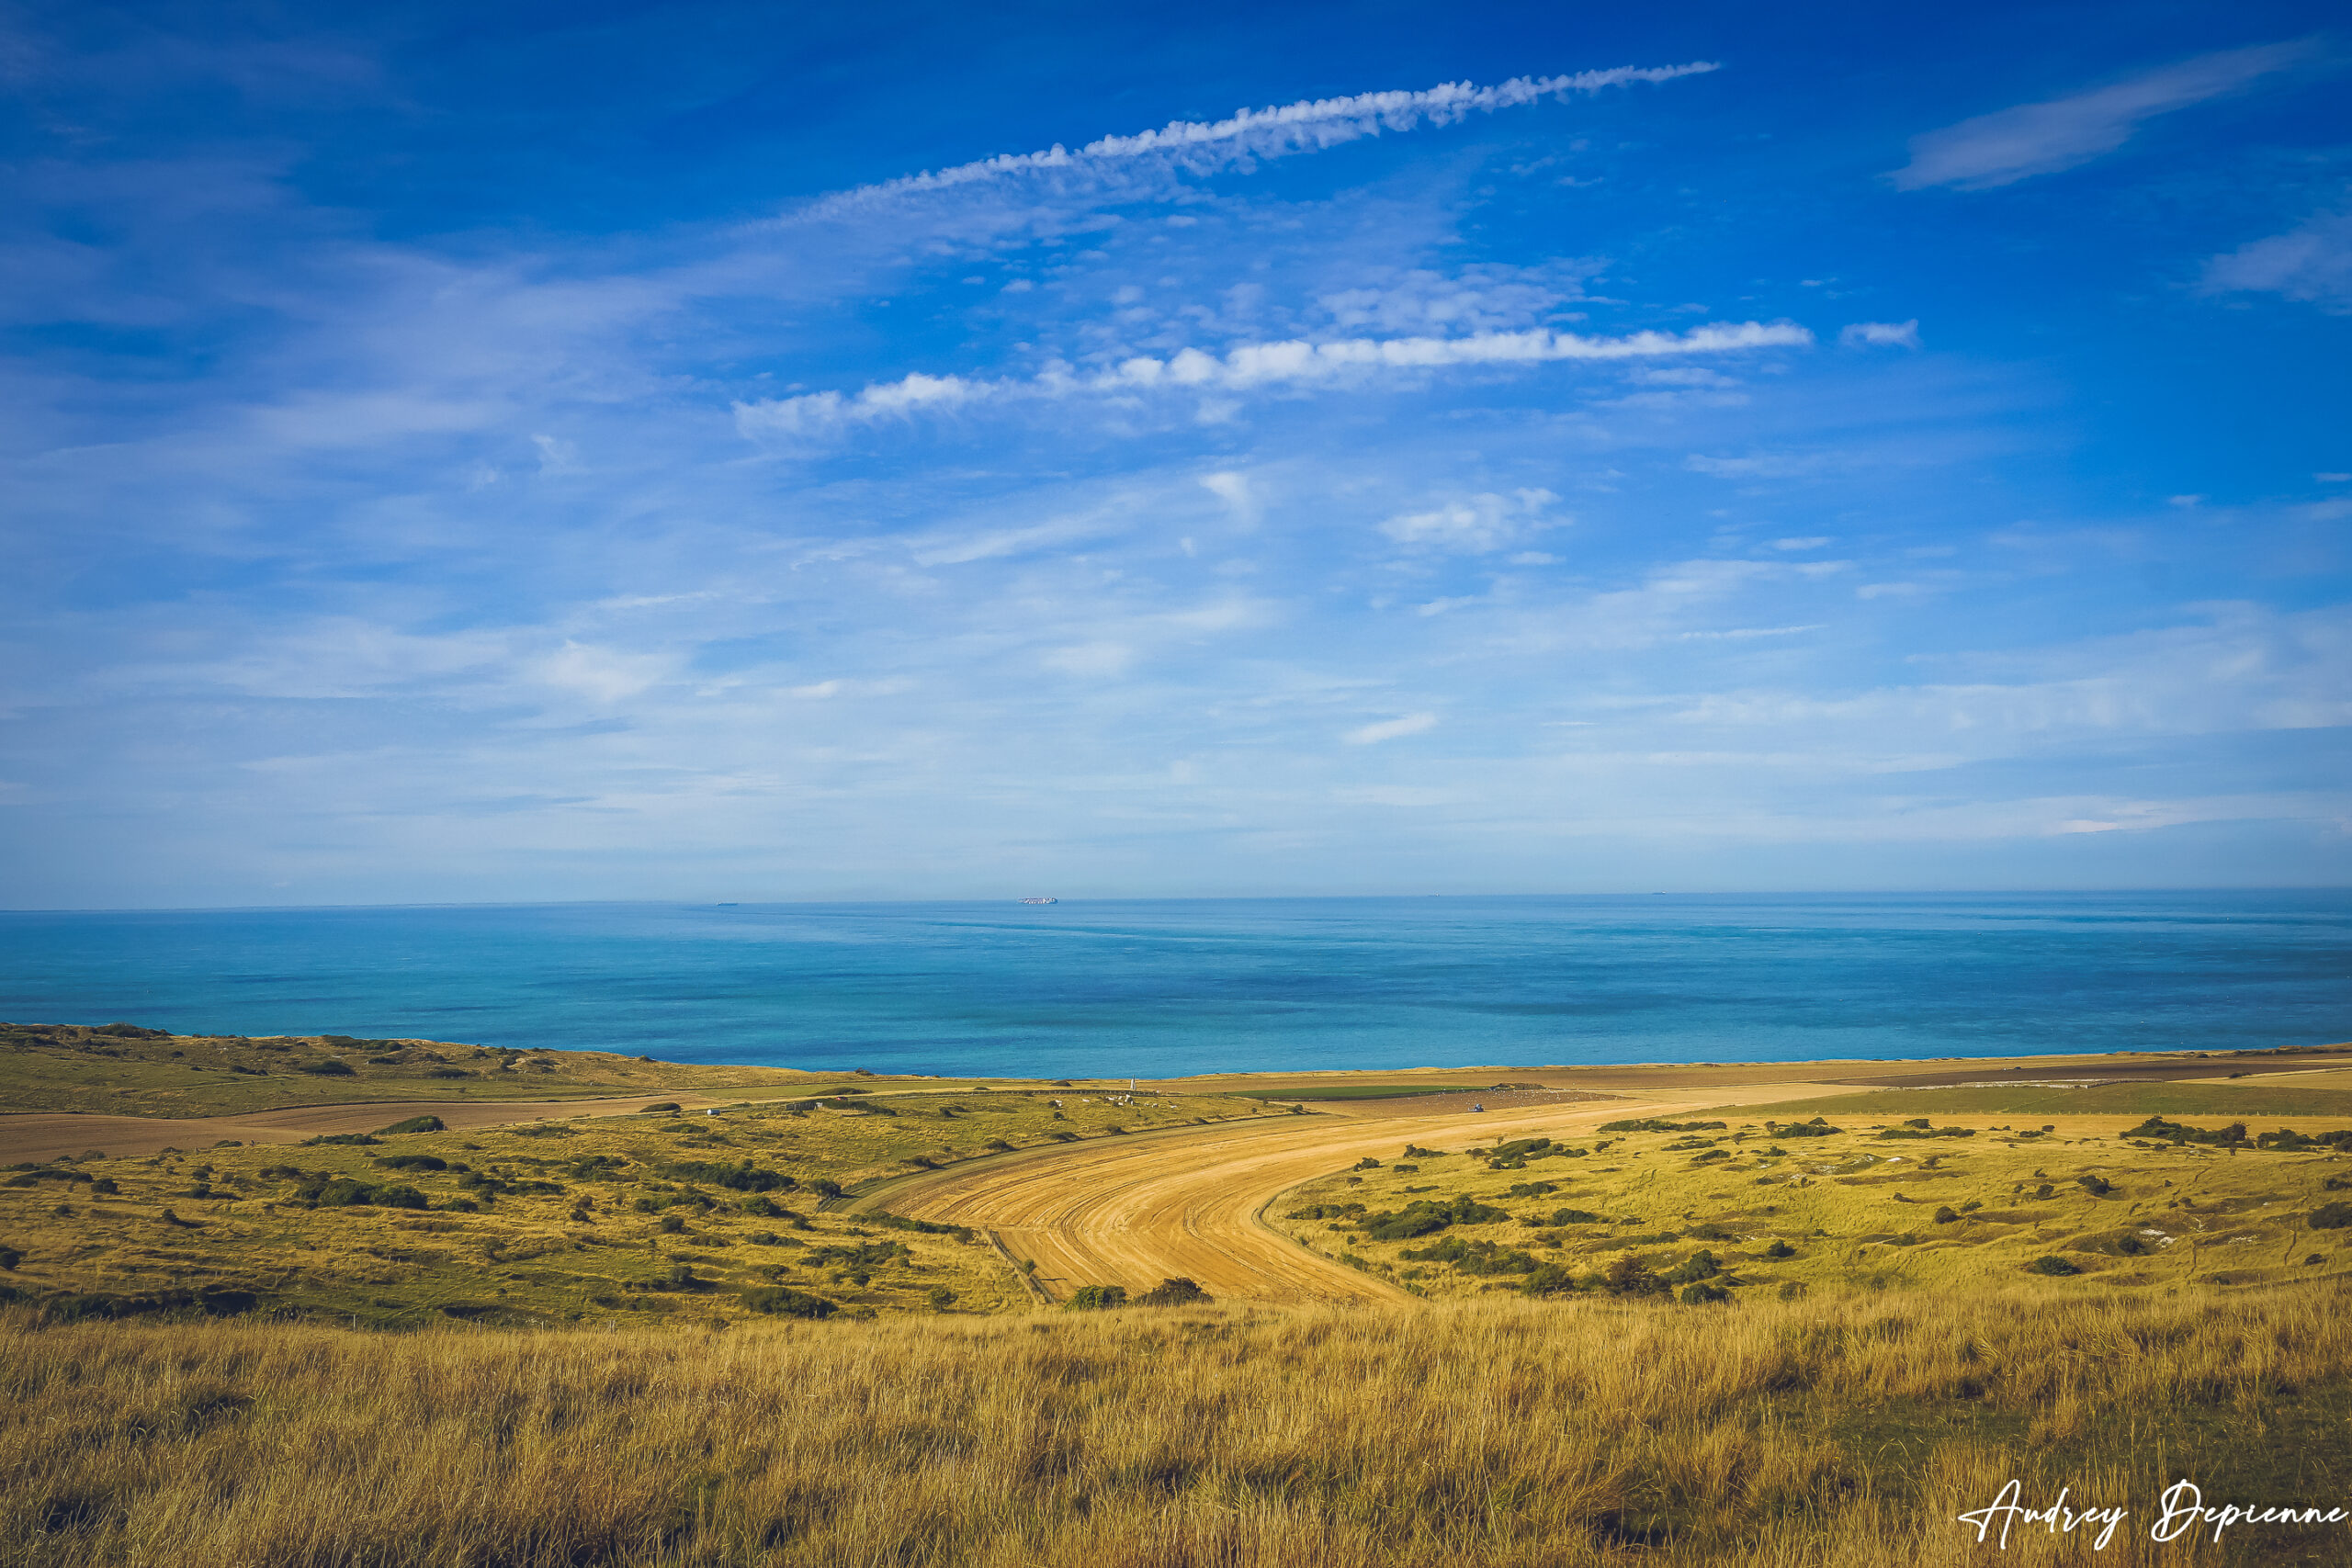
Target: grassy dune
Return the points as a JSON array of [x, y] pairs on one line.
[[1874, 1204], [125, 1070], [553, 1222], [1831, 1433]]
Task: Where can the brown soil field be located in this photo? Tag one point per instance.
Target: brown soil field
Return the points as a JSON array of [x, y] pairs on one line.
[[1190, 1204]]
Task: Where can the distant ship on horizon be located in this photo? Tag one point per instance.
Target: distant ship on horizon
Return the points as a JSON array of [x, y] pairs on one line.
[[1041, 900]]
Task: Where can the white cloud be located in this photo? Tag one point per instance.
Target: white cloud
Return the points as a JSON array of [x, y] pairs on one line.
[[1246, 367], [1308, 126], [1234, 491], [1390, 729], [1477, 525], [1880, 335], [2311, 264], [2040, 139], [1096, 659], [602, 675]]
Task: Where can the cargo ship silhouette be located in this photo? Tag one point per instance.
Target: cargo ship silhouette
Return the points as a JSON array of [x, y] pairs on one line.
[[1041, 900]]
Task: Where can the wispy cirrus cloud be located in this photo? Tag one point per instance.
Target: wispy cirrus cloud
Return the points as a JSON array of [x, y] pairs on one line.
[[1308, 126], [2311, 263], [1247, 367], [1390, 729], [2018, 143]]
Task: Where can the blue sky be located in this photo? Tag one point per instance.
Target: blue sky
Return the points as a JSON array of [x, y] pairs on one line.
[[702, 451]]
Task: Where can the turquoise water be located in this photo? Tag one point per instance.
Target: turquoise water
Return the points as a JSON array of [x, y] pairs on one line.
[[1160, 987]]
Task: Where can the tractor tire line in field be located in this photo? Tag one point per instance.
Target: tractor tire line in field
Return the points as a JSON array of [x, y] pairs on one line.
[[1111, 1214]]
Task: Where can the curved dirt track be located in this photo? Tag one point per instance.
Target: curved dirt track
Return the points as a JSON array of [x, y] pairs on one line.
[[1132, 1213]]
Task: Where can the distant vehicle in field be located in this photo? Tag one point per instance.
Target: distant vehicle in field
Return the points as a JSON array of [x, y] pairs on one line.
[[1041, 900], [1475, 1106]]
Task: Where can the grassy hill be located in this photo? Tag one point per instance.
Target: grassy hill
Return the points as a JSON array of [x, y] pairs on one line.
[[548, 1221]]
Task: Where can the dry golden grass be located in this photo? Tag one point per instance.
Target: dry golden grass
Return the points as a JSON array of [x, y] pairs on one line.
[[1846, 1432]]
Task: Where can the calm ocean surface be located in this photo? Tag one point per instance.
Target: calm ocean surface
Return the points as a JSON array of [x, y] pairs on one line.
[[1161, 988]]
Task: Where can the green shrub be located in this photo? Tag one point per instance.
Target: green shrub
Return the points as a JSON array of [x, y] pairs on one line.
[[1629, 1276], [1946, 1215], [10, 1258], [1817, 1128], [1652, 1125], [941, 1298], [358, 1139], [1548, 1280], [743, 1177], [1096, 1298], [2097, 1187], [415, 1124], [2052, 1265], [413, 1162], [329, 1068], [1700, 1265], [1424, 1216], [1700, 1292], [1174, 1292], [1780, 1249], [2332, 1216], [658, 1106]]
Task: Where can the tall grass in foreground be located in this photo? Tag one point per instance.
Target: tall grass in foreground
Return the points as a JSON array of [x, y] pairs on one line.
[[1832, 1432]]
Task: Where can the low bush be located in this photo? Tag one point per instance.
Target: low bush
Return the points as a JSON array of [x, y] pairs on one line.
[[329, 1068], [414, 1124], [2052, 1265], [2332, 1216], [1174, 1292], [1629, 1276], [1424, 1216], [1700, 1265], [743, 1177], [1817, 1128], [1096, 1298]]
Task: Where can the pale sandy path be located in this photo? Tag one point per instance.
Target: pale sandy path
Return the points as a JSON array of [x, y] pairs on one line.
[[52, 1135], [1133, 1214]]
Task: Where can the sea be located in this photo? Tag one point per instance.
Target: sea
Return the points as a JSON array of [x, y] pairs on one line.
[[1157, 988]]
